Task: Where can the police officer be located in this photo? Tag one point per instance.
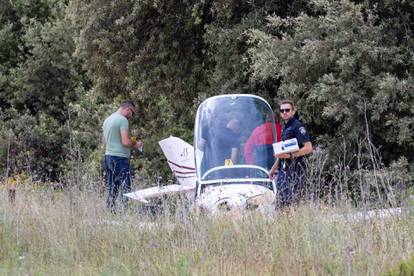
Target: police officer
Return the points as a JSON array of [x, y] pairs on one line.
[[291, 166]]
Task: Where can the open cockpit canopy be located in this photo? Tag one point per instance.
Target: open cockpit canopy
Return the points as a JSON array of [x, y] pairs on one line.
[[233, 139]]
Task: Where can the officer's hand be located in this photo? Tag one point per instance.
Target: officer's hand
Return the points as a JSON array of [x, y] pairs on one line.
[[283, 155], [271, 174]]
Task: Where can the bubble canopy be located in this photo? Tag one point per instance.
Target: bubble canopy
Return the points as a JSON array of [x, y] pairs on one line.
[[233, 139]]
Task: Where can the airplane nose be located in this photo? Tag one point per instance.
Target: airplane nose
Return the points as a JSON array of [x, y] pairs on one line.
[[234, 202], [224, 206]]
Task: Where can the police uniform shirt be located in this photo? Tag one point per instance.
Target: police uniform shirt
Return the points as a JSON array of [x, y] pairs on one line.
[[295, 129]]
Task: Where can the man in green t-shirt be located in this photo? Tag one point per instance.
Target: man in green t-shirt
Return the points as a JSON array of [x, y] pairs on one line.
[[118, 147]]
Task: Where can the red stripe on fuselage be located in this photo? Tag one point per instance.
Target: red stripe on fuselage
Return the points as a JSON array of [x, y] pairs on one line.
[[180, 166], [183, 172]]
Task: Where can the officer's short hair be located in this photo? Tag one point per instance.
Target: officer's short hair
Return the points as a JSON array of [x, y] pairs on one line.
[[288, 102], [128, 104]]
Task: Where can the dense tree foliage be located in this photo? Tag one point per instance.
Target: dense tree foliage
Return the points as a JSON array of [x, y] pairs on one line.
[[40, 78], [65, 65], [344, 71]]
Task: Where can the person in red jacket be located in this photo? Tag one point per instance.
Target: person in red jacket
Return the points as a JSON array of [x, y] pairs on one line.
[[258, 148]]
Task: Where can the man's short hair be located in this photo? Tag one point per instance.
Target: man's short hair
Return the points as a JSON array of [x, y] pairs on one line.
[[128, 103], [288, 102]]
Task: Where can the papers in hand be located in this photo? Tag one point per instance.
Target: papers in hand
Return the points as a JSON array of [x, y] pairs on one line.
[[286, 146]]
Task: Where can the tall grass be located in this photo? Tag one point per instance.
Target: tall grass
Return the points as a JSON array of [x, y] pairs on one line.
[[70, 232], [66, 231]]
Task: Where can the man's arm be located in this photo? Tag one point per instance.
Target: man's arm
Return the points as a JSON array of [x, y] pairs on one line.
[[274, 169], [127, 142], [305, 150]]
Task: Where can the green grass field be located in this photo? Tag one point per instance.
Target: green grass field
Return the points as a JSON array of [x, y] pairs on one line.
[[70, 233]]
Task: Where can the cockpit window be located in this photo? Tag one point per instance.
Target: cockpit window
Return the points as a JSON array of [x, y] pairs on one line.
[[234, 130]]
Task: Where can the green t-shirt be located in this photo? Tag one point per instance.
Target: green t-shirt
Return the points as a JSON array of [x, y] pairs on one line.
[[112, 132]]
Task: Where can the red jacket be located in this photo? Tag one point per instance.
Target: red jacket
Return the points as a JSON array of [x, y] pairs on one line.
[[261, 135]]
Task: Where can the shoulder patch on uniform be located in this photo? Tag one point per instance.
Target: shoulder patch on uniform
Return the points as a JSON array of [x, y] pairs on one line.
[[302, 130]]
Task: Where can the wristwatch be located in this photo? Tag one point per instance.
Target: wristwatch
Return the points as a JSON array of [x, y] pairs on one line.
[[290, 155]]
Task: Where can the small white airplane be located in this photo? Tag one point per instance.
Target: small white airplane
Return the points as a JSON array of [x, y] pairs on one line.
[[227, 169]]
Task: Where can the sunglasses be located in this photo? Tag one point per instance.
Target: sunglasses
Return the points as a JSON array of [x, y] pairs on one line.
[[286, 110], [132, 111]]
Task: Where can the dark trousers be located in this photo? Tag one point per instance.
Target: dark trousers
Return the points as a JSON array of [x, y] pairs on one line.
[[118, 175], [290, 184]]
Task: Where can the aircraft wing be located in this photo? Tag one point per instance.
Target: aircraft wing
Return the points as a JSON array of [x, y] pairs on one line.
[[180, 158], [153, 192]]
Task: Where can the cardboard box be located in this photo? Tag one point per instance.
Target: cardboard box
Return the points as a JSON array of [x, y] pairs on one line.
[[287, 146]]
